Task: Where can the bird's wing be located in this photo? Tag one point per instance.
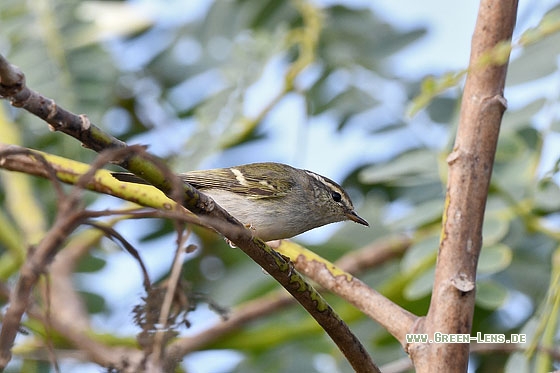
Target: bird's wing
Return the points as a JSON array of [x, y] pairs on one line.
[[265, 182], [241, 181]]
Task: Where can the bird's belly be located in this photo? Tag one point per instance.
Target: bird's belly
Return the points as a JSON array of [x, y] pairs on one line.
[[259, 215]]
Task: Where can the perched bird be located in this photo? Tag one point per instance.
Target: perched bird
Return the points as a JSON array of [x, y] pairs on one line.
[[276, 200]]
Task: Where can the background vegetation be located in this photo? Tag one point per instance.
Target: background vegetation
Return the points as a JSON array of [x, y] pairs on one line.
[[242, 81]]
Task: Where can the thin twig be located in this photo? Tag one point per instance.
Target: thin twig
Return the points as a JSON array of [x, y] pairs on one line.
[[171, 288], [116, 236], [48, 327]]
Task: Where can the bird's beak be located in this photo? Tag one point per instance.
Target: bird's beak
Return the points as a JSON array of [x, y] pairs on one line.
[[351, 215]]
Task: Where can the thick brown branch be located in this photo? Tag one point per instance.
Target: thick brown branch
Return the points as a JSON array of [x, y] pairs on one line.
[[470, 168]]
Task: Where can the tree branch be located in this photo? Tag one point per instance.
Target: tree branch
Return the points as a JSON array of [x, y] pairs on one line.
[[470, 168], [275, 302], [396, 320]]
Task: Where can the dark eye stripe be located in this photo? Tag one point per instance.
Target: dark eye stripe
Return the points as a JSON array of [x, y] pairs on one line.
[[332, 186]]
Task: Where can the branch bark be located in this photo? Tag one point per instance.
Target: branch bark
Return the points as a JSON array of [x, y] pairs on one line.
[[470, 168]]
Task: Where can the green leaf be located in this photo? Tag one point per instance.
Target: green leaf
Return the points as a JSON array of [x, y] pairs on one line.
[[349, 103], [510, 146], [494, 229], [420, 252], [547, 196], [494, 259], [490, 294], [94, 302], [422, 214], [442, 109], [518, 362], [412, 168], [431, 87], [371, 39], [90, 264], [555, 126], [421, 286], [515, 176], [514, 120], [538, 60]]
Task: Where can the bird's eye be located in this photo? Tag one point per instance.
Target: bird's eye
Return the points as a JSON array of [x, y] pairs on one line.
[[336, 196]]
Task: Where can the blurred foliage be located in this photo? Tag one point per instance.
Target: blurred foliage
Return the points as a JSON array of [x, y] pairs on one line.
[[187, 86]]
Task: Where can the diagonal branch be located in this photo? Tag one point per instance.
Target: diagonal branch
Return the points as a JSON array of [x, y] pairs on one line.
[[396, 320], [355, 262]]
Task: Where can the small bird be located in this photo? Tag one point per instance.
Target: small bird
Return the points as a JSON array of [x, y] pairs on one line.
[[275, 200]]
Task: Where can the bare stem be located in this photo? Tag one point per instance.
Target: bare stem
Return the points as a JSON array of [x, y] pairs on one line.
[[470, 168]]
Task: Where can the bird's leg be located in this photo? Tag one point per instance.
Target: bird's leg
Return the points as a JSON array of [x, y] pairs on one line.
[[231, 244]]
